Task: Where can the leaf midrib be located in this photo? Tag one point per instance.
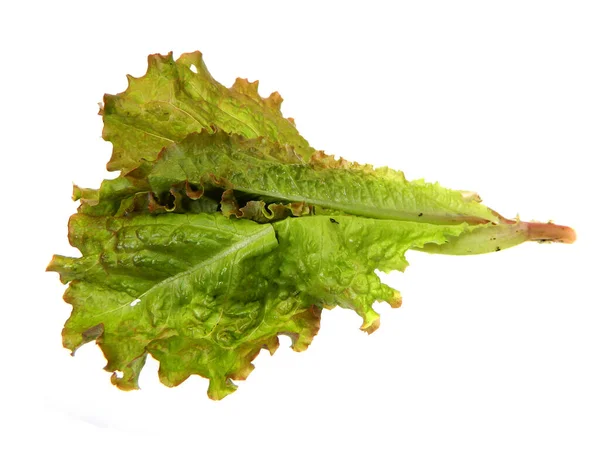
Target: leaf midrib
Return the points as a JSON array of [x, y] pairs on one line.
[[262, 232]]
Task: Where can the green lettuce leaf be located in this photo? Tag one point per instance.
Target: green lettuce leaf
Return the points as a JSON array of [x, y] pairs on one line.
[[177, 98], [257, 169], [232, 162], [203, 293]]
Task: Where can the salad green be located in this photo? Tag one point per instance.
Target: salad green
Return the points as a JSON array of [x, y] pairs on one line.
[[225, 229]]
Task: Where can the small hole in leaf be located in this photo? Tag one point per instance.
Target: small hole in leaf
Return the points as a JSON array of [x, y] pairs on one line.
[[118, 374], [135, 302], [193, 68]]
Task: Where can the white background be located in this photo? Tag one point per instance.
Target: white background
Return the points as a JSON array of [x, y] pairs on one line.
[[494, 351]]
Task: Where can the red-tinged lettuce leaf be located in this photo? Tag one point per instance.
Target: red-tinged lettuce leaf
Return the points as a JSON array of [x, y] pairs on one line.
[[260, 170], [203, 293], [152, 283], [226, 161], [178, 97], [226, 230]]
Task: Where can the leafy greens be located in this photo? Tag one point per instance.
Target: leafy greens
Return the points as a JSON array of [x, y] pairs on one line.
[[225, 229]]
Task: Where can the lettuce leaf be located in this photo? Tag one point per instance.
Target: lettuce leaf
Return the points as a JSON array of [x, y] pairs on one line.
[[226, 230], [218, 290], [178, 97], [257, 169]]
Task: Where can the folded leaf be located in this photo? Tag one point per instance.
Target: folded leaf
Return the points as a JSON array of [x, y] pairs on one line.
[[231, 162], [264, 171]]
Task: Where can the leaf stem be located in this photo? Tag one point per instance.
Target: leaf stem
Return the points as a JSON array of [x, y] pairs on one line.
[[550, 232], [495, 237]]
